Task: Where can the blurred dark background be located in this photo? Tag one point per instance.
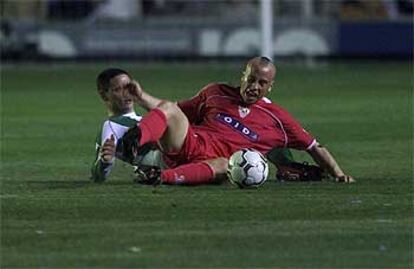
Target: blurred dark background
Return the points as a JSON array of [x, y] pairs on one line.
[[182, 29]]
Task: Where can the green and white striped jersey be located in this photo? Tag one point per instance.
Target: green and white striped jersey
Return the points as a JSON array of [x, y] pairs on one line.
[[118, 126]]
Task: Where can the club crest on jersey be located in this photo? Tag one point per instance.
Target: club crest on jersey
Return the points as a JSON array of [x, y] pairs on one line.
[[237, 126], [243, 111]]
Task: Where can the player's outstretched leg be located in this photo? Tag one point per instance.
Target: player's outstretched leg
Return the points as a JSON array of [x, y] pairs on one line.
[[206, 172]]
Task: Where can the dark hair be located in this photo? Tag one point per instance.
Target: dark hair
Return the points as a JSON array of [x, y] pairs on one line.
[[266, 60], [104, 78]]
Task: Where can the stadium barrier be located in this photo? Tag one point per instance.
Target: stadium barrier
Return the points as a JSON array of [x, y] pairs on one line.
[[318, 37]]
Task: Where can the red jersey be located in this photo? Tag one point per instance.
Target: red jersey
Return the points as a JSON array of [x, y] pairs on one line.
[[222, 124]]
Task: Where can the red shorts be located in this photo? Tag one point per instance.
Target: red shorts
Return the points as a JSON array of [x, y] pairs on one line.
[[198, 146]]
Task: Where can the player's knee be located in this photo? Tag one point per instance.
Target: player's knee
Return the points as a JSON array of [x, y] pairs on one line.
[[169, 108]]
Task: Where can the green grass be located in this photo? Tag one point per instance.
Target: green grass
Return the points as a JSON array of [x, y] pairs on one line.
[[53, 216]]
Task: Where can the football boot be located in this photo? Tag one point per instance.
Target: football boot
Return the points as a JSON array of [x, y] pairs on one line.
[[148, 175]]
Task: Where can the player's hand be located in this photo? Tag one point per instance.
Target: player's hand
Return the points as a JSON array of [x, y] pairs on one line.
[[345, 179], [108, 150], [135, 90]]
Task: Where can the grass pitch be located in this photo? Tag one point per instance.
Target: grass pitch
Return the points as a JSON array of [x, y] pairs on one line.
[[53, 216]]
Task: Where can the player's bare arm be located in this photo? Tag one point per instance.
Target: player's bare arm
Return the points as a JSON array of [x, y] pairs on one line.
[[324, 158], [142, 98], [177, 123]]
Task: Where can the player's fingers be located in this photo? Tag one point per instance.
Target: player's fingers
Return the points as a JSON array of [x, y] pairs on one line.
[[131, 88], [107, 155], [108, 150], [137, 85], [107, 158], [108, 147], [109, 142], [345, 179], [340, 179], [135, 89], [350, 179]]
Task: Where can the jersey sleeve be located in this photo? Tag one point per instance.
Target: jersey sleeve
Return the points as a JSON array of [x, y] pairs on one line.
[[192, 107], [297, 136]]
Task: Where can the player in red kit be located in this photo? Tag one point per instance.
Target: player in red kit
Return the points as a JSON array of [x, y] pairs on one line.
[[197, 136], [231, 124]]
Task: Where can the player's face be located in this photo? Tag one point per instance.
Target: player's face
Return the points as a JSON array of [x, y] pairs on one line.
[[118, 97], [256, 82]]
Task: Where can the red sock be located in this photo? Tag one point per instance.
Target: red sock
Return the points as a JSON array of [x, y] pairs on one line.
[[152, 126], [188, 174]]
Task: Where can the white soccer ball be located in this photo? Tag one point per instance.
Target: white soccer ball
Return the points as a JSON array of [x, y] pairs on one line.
[[151, 158], [247, 168]]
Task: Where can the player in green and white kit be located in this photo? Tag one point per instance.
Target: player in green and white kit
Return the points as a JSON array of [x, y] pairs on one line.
[[112, 86]]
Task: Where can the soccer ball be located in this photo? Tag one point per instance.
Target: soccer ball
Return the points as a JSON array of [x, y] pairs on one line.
[[151, 158], [247, 168]]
